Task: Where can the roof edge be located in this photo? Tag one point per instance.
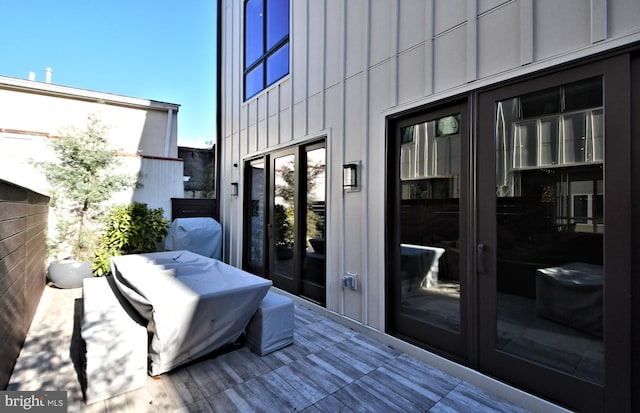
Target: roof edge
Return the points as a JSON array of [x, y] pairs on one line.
[[50, 89]]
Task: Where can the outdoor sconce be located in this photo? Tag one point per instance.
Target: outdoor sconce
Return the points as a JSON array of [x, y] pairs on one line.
[[234, 189], [350, 171]]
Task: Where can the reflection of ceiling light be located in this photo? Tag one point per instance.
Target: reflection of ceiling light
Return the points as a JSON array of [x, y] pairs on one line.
[[186, 178]]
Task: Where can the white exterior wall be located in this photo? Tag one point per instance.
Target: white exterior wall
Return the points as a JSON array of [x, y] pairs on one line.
[[143, 131], [353, 63]]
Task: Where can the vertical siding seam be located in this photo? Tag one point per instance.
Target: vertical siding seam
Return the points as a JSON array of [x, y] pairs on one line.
[[292, 41], [365, 176], [526, 32], [344, 146], [395, 79], [278, 113], [472, 40], [306, 69], [228, 118], [323, 122], [235, 59], [267, 115], [598, 20], [428, 46]]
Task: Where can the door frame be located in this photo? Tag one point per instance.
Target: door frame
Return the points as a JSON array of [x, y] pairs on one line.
[[616, 251], [615, 395], [283, 281], [454, 345], [268, 158]]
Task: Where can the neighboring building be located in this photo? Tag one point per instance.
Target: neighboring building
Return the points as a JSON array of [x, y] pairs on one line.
[[199, 171], [443, 172], [143, 131]]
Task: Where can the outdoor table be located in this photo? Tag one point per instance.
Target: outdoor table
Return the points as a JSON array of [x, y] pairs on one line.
[[193, 304]]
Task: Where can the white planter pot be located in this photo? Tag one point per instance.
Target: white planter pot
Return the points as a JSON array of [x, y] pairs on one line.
[[69, 274]]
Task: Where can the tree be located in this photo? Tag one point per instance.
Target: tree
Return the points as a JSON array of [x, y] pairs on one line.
[[82, 177]]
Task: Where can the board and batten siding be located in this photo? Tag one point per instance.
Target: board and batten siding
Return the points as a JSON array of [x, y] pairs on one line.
[[353, 63]]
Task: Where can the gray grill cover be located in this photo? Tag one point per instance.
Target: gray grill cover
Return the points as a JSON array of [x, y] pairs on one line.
[[200, 235], [193, 304]]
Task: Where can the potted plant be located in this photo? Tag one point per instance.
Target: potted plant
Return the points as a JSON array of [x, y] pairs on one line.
[[283, 217], [82, 179], [129, 229]]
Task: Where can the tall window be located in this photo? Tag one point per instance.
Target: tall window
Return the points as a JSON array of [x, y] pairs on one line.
[[266, 44]]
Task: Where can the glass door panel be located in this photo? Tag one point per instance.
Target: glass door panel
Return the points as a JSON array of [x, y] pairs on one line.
[[549, 253], [429, 223], [313, 259], [429, 280], [284, 219], [255, 218], [283, 240]]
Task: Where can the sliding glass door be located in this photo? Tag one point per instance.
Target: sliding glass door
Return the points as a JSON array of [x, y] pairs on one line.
[[285, 219], [509, 242], [429, 285], [550, 306]]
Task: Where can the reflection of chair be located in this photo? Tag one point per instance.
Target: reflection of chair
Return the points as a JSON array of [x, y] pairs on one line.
[[421, 263], [450, 261]]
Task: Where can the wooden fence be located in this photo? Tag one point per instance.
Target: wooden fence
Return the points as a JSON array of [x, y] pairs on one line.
[[23, 229]]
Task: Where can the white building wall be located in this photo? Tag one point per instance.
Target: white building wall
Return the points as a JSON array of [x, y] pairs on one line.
[[144, 133], [352, 63]]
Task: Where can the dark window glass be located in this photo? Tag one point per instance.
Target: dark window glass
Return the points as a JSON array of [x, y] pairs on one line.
[[585, 94], [407, 134], [278, 64], [253, 32], [546, 102], [253, 81], [550, 228], [266, 44], [277, 21]]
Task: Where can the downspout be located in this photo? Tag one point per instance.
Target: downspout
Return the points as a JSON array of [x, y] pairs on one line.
[[167, 144]]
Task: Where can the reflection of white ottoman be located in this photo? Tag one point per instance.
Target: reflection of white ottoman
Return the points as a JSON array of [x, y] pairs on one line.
[[271, 327], [571, 294]]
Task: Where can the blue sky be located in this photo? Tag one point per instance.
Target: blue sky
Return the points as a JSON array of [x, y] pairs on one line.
[[151, 49]]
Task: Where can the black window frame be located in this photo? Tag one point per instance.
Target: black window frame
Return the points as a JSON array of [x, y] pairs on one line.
[[267, 53]]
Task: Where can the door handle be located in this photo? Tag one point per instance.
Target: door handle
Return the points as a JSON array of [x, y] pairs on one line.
[[480, 258], [270, 231]]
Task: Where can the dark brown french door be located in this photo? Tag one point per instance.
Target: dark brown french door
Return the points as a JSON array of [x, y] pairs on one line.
[[509, 241], [552, 184], [284, 238], [428, 229]]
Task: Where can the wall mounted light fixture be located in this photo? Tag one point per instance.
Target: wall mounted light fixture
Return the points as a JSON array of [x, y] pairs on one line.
[[234, 189], [350, 178]]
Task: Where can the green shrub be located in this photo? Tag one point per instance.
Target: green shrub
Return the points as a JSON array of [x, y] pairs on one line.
[[129, 229], [82, 178]]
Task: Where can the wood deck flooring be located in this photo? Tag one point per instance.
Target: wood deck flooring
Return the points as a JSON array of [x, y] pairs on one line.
[[329, 368]]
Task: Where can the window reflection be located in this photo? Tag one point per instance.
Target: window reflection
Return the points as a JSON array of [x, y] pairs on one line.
[[256, 221], [430, 230], [313, 262], [284, 213], [266, 44], [550, 197]]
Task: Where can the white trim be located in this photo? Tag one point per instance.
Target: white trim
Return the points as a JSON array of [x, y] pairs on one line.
[[167, 145], [288, 144], [29, 86]]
